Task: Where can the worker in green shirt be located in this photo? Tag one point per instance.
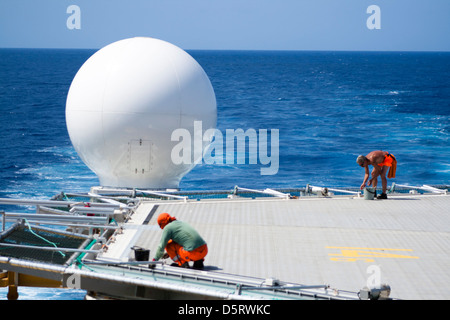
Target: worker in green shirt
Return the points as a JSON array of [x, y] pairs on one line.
[[181, 242]]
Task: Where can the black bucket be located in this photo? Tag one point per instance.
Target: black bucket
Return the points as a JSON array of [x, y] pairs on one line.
[[141, 254]]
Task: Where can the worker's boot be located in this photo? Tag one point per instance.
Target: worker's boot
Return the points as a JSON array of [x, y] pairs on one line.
[[198, 264], [382, 196], [184, 265]]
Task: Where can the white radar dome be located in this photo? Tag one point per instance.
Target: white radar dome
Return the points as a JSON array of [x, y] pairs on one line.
[[124, 104]]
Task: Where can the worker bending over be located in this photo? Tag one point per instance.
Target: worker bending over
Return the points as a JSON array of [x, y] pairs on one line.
[[181, 242], [381, 162]]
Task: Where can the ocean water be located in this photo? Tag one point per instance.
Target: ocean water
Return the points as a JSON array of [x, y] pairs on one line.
[[329, 107]]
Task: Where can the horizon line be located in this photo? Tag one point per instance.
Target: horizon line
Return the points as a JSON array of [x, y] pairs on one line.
[[253, 50]]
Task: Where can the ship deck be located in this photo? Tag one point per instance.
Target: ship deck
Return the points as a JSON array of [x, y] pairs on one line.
[[262, 245], [345, 242]]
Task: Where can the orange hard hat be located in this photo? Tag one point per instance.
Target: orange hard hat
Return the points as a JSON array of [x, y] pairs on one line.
[[164, 219]]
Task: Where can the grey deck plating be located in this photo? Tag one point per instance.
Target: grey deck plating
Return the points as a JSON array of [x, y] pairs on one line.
[[341, 241]]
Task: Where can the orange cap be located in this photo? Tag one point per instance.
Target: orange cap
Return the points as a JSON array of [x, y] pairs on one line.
[[164, 219]]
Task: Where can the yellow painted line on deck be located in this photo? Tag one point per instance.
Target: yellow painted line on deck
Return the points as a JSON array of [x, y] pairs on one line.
[[352, 254]]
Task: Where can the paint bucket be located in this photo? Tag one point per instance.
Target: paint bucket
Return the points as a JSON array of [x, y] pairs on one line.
[[369, 193], [141, 254]]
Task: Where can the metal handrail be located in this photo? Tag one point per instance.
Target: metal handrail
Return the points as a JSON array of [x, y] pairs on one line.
[[48, 248], [160, 194], [53, 203], [267, 191], [37, 217]]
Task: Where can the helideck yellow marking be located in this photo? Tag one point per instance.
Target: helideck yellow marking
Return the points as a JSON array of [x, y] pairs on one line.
[[351, 254]]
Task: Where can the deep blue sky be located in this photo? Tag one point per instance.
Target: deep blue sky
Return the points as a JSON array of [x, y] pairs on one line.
[[418, 25]]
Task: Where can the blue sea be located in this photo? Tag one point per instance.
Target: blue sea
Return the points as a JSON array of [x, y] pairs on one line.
[[329, 107]]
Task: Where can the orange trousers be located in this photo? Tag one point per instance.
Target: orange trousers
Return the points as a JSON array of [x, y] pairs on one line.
[[180, 256]]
